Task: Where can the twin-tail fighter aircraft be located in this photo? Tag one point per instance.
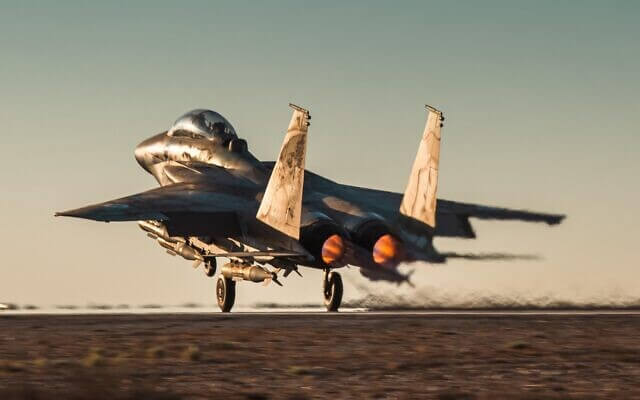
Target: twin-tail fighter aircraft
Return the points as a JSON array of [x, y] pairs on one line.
[[216, 200]]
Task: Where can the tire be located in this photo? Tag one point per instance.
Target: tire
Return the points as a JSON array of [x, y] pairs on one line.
[[333, 292], [225, 293], [210, 267]]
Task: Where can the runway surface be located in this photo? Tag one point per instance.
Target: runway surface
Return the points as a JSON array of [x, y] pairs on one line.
[[305, 355], [311, 310]]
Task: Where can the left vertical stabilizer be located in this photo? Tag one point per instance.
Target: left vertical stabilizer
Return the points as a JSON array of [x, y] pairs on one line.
[[281, 206]]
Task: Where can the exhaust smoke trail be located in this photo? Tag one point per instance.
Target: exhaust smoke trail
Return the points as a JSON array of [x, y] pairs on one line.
[[436, 298], [452, 295]]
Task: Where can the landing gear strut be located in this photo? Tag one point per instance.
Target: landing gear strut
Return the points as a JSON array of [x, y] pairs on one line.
[[332, 288], [225, 293]]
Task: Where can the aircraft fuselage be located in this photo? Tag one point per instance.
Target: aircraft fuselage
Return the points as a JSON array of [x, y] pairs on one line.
[[159, 151]]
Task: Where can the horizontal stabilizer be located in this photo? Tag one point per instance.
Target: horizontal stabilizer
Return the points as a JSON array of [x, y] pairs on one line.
[[496, 213]]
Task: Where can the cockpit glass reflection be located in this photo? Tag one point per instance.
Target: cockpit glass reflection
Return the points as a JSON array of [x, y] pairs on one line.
[[203, 124]]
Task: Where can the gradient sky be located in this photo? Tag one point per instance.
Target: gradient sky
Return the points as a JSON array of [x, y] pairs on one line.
[[541, 99]]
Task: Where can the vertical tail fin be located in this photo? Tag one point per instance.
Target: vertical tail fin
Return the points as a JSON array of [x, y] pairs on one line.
[[419, 201], [281, 205]]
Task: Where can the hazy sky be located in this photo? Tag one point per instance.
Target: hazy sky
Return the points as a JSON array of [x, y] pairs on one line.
[[541, 99]]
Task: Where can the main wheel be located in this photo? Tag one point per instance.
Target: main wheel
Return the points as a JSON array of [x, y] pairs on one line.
[[210, 267], [333, 291], [225, 293]]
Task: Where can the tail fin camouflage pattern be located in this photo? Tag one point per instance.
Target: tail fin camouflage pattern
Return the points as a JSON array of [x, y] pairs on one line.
[[419, 201], [281, 205]]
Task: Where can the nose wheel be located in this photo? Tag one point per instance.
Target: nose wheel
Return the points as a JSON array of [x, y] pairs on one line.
[[333, 289], [225, 293], [210, 267]]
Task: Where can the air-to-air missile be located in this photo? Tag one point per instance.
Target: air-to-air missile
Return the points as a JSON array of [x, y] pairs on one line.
[[253, 273], [174, 245], [156, 230]]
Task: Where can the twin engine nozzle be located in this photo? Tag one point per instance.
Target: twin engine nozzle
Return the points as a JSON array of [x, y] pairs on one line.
[[328, 243]]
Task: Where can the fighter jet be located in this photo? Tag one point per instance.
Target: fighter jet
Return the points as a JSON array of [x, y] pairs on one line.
[[216, 200]]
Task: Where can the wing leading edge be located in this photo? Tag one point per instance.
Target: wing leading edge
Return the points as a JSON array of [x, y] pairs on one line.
[[159, 204]]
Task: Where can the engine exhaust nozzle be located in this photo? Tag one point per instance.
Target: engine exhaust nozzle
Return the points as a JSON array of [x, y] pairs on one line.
[[332, 249], [387, 250]]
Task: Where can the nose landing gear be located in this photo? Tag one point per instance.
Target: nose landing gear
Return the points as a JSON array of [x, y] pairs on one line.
[[333, 289], [210, 267]]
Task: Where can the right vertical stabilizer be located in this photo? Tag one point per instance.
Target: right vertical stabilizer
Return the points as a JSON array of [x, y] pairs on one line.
[[419, 201]]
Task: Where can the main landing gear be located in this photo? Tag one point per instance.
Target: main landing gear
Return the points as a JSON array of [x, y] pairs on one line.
[[234, 271], [333, 289], [225, 293], [226, 285]]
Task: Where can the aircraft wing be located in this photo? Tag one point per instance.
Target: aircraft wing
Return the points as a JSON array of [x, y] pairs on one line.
[[163, 203], [453, 217]]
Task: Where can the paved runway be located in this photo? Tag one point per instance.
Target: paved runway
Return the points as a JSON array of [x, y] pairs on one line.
[[319, 311], [443, 354]]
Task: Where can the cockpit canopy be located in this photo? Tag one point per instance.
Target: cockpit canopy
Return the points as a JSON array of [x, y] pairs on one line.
[[203, 124]]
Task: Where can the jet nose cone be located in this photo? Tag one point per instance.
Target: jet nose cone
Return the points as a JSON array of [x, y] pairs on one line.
[[141, 153], [150, 151]]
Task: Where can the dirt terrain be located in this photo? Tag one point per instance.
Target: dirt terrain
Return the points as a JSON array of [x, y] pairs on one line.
[[307, 356]]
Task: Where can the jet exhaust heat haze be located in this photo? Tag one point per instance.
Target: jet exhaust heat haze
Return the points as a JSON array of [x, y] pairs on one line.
[[216, 200]]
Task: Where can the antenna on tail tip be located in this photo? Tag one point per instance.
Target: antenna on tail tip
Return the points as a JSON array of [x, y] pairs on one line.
[[432, 108], [435, 110], [306, 113], [298, 108]]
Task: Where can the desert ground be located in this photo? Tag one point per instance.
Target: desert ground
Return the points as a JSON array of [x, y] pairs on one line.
[[309, 356]]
